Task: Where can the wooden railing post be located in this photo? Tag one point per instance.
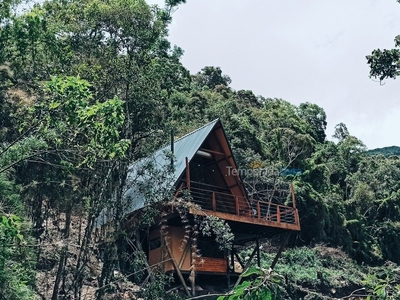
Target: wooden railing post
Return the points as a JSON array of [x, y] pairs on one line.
[[296, 214], [278, 213], [296, 217], [258, 210], [237, 205], [214, 202], [293, 197]]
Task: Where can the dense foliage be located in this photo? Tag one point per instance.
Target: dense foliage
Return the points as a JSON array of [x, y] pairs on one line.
[[386, 151], [88, 86], [385, 63]]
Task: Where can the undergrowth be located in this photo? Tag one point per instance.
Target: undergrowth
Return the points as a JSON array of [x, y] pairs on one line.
[[323, 269]]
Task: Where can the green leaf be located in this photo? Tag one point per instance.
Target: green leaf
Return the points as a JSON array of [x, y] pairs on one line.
[[4, 221], [253, 271], [269, 295], [54, 105]]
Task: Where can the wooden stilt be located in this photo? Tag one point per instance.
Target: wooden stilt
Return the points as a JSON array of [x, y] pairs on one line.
[[233, 259], [140, 248], [285, 240], [178, 271], [246, 266], [258, 253], [193, 281], [239, 260], [228, 271]]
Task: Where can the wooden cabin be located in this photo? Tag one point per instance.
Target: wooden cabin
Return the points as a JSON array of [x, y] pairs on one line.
[[206, 169]]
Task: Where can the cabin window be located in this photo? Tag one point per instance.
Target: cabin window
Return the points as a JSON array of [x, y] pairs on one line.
[[210, 248], [155, 243]]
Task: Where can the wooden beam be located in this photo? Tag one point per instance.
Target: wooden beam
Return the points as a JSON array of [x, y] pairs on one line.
[[193, 281], [185, 252], [251, 257], [139, 247], [239, 259], [179, 190], [231, 186], [246, 266], [258, 253], [228, 271], [296, 218], [211, 151], [226, 157], [178, 271], [280, 251], [233, 259]]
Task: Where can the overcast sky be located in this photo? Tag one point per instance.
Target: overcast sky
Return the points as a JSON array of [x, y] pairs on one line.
[[301, 51]]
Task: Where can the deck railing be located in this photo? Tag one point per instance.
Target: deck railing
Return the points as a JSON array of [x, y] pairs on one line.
[[214, 199]]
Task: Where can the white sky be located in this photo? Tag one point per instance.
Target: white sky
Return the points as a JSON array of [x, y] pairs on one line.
[[308, 50]]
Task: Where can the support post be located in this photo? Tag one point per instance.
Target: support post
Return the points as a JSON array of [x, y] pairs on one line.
[[296, 217], [233, 259], [239, 260], [178, 271], [280, 251], [228, 271], [138, 246], [245, 267], [258, 253], [187, 174], [193, 281]]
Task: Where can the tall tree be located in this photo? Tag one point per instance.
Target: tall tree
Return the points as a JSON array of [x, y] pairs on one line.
[[95, 77], [385, 63]]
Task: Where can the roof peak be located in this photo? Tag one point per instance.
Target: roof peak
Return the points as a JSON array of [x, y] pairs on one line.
[[197, 129]]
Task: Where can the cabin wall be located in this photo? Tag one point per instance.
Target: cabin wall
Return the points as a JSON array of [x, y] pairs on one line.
[[175, 238], [155, 249], [212, 265]]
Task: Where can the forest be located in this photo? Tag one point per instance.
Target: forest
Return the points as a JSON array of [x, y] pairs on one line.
[[89, 86]]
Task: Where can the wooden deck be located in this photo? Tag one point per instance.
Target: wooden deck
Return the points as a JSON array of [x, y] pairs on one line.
[[239, 209]]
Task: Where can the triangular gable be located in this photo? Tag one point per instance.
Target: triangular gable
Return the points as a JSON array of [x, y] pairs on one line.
[[221, 162]]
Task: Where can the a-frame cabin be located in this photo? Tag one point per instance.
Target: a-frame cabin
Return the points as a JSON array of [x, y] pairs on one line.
[[205, 167]]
